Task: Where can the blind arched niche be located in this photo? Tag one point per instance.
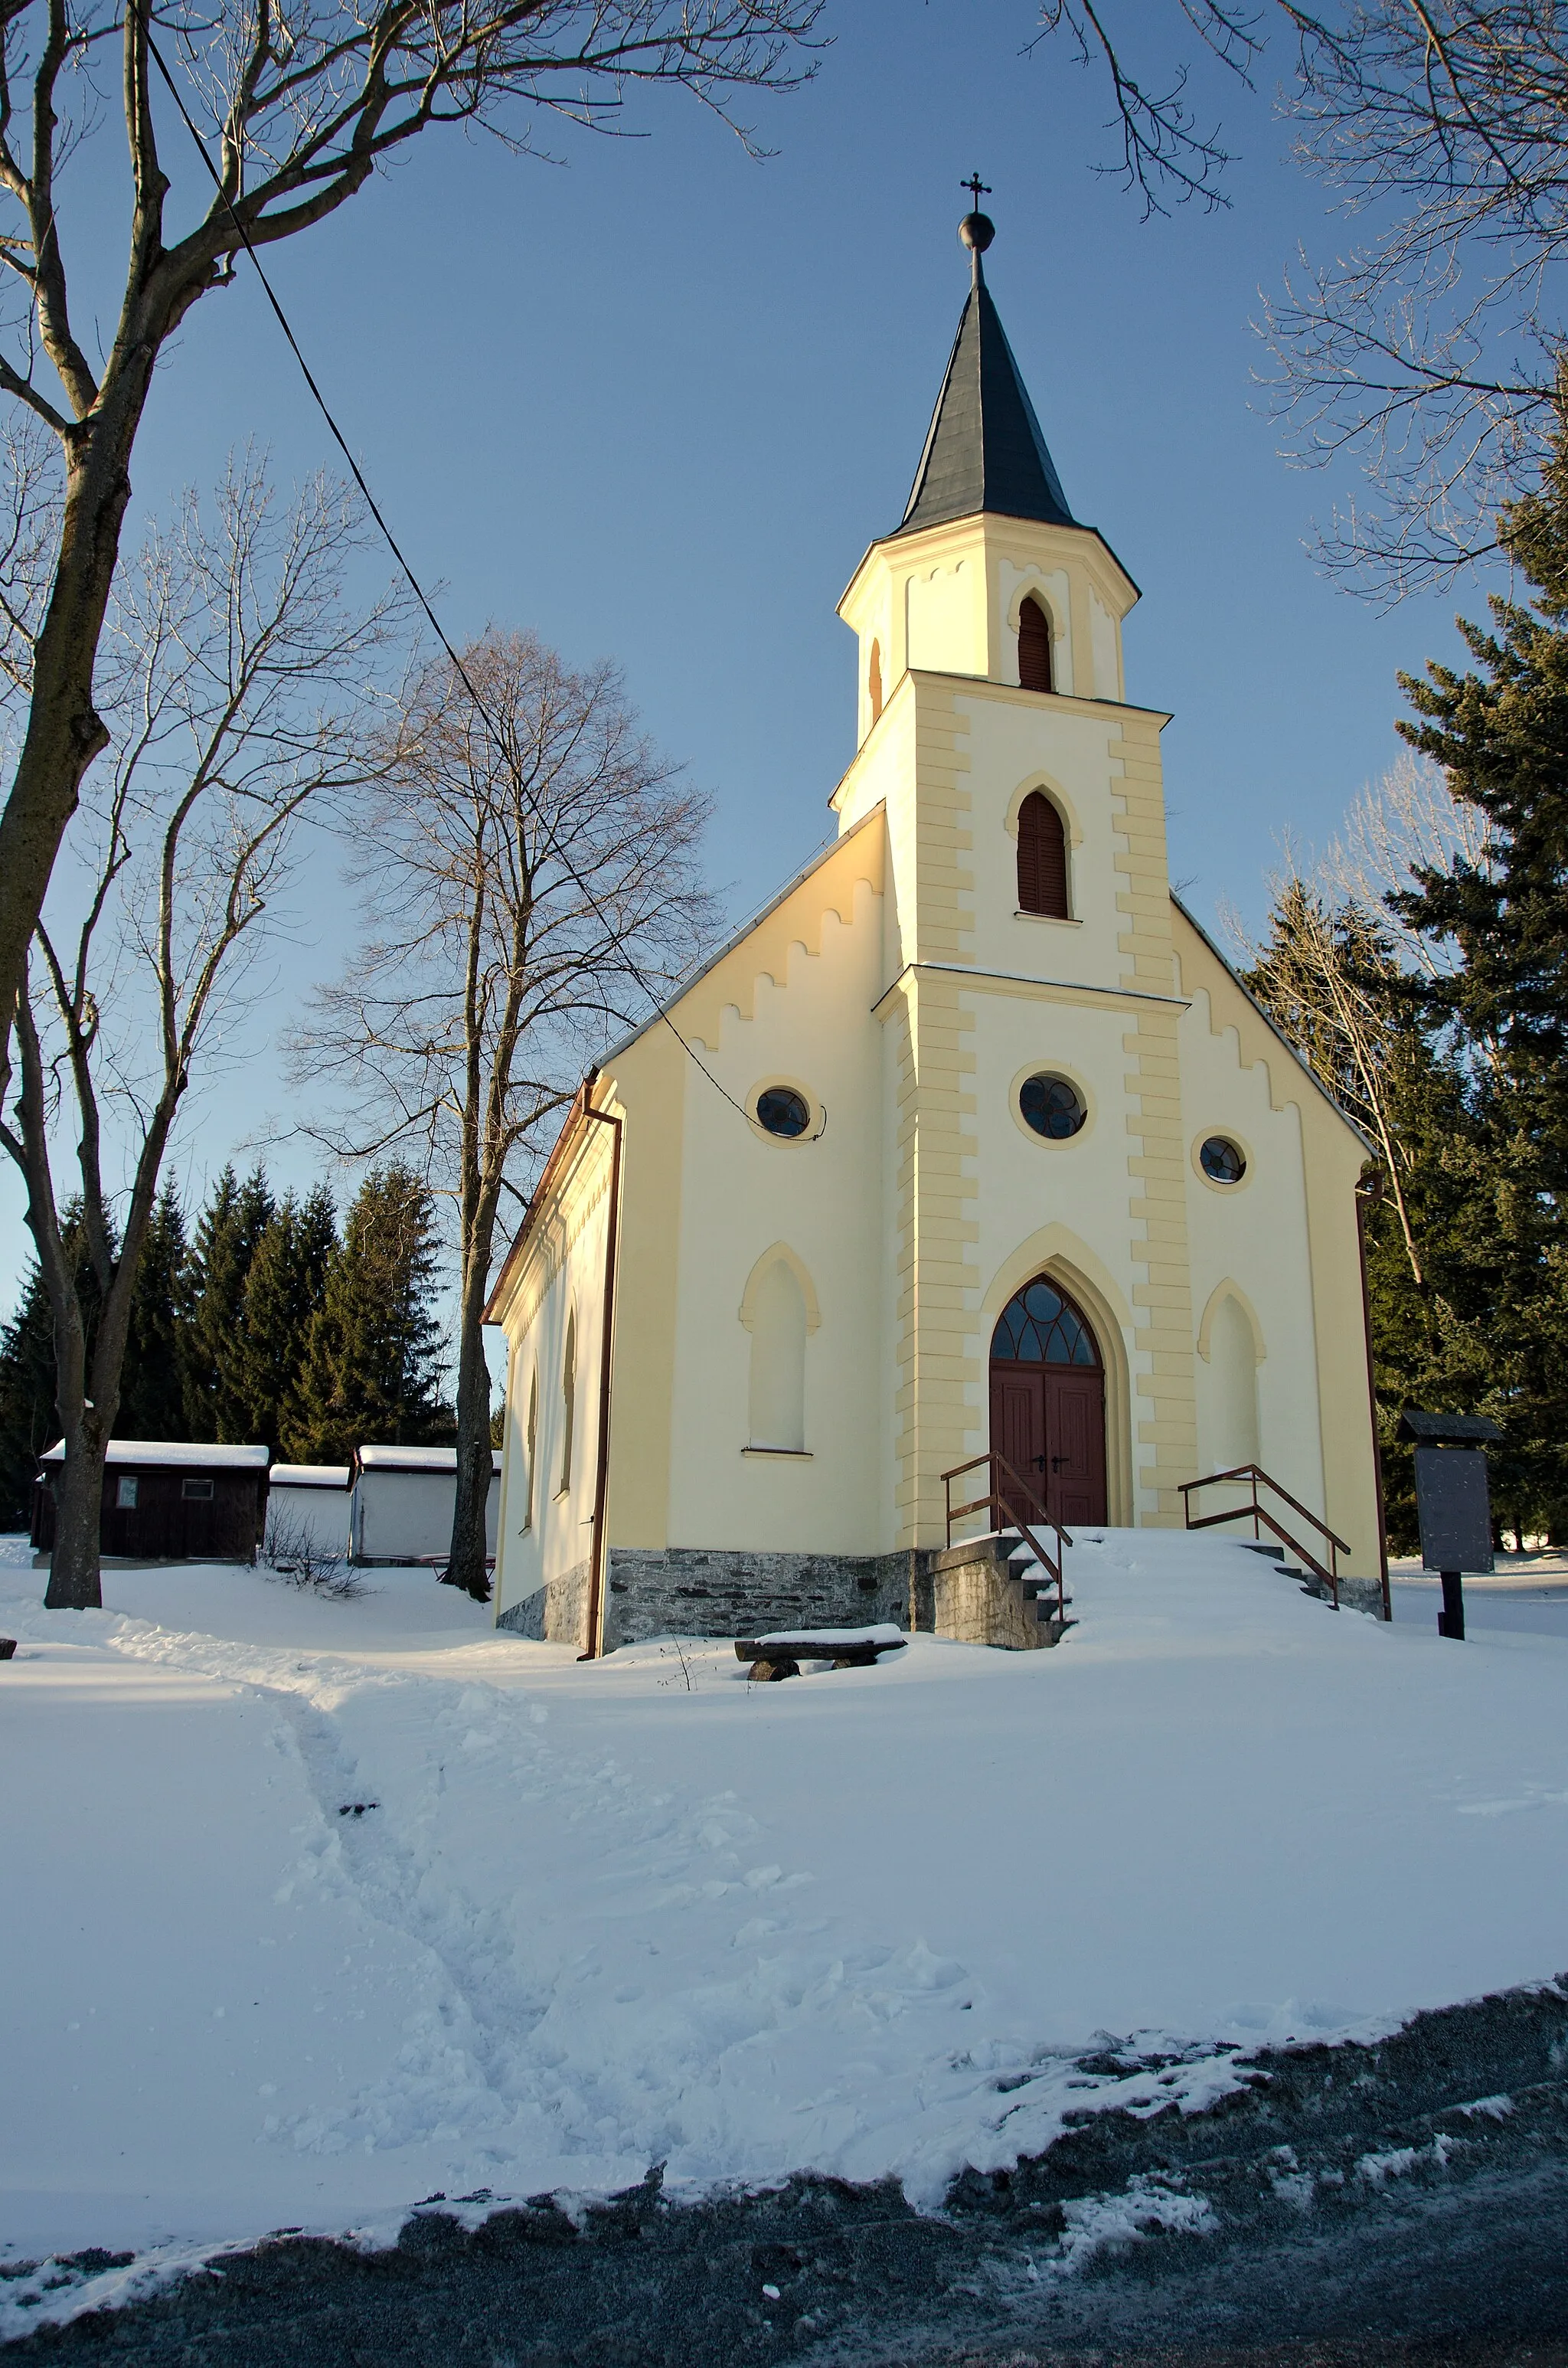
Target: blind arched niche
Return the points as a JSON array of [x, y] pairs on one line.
[[1233, 1357], [779, 1360]]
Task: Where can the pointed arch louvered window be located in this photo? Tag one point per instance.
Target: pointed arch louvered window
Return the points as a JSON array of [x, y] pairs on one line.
[[1042, 858], [1034, 647]]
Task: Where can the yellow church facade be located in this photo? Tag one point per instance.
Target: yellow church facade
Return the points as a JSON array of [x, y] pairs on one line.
[[971, 1141]]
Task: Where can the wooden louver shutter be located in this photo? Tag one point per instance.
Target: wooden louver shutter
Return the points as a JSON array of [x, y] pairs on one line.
[[1034, 647], [1042, 858]]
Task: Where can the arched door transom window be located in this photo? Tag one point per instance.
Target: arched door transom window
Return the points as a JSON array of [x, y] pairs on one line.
[[1039, 1328]]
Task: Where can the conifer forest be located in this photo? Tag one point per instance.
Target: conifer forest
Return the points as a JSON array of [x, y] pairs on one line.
[[256, 1318]]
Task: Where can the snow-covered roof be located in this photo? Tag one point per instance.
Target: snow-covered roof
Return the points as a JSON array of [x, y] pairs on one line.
[[415, 1459], [173, 1454], [309, 1475]]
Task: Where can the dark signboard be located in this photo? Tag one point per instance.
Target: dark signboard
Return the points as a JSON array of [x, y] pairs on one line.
[[1453, 1509]]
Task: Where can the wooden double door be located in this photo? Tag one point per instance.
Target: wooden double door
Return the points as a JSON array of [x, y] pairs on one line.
[[1047, 1404]]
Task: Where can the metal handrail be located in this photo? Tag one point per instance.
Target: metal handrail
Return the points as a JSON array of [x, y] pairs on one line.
[[1009, 1518], [1251, 1473]]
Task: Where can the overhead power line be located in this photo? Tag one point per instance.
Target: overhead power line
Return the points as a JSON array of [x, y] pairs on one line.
[[419, 589]]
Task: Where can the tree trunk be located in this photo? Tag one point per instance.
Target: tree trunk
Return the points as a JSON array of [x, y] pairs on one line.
[[74, 1582], [466, 1562], [65, 730]]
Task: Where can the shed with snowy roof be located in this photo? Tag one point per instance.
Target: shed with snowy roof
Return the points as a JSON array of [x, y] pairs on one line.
[[307, 1504], [402, 1501], [167, 1500]]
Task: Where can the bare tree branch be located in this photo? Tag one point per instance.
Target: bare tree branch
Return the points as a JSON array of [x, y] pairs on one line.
[[540, 857], [304, 103], [1428, 349], [239, 690]]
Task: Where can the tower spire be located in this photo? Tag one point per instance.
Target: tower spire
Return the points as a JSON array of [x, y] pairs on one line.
[[984, 450]]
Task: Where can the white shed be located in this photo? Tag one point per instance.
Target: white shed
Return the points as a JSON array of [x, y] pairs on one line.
[[403, 1503], [310, 1501]]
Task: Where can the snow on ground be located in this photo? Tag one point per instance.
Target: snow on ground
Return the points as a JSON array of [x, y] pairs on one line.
[[1527, 1592], [315, 1909]]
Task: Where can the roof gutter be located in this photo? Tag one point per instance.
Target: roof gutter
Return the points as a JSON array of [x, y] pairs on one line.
[[552, 1167], [599, 1551], [579, 1117]]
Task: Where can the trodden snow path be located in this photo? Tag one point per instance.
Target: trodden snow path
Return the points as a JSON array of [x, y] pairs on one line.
[[315, 1909]]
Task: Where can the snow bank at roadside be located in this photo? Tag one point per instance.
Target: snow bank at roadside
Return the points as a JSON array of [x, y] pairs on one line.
[[320, 1909]]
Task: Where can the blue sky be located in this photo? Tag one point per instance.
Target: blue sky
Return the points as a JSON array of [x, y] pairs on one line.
[[653, 400]]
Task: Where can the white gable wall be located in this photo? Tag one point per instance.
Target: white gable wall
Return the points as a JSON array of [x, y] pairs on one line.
[[743, 1193], [545, 1527], [1253, 1234]]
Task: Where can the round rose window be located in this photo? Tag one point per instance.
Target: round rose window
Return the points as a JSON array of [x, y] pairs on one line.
[[781, 1110], [1052, 1107], [1223, 1161]]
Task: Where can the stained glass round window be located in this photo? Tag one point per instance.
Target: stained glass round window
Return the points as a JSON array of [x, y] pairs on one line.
[[1040, 1327], [781, 1110], [1223, 1161], [1052, 1107]]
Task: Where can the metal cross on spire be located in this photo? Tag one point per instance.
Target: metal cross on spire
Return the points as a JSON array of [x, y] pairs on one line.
[[977, 230]]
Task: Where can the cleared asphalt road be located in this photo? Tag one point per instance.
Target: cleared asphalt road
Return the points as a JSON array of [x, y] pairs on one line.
[[1355, 2207]]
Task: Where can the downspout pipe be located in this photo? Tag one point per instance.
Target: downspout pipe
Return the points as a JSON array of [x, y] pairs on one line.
[[597, 1550], [1365, 1198]]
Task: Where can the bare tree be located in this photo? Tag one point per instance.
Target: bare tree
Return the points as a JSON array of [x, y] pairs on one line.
[[1406, 823], [1323, 977], [540, 858], [1430, 348], [1329, 972], [235, 695], [301, 106]]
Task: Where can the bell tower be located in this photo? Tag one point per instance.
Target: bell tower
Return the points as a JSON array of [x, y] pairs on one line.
[[988, 548], [1028, 940]]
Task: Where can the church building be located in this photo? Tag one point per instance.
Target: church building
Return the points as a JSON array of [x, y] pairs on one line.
[[970, 1146]]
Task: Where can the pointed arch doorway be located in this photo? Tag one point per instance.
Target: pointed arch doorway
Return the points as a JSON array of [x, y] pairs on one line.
[[1047, 1402]]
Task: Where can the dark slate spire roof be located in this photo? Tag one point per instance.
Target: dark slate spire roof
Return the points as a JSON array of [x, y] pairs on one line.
[[984, 450]]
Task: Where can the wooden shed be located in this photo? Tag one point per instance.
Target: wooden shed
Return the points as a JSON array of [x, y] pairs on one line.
[[310, 1501], [168, 1500], [403, 1503]]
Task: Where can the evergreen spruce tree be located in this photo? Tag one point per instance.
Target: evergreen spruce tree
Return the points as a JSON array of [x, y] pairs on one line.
[[284, 1289], [374, 1363], [29, 1421], [1328, 978], [227, 1239], [1500, 732], [152, 1385]]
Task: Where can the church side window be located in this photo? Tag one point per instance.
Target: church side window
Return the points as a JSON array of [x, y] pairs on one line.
[[1042, 858], [779, 1361], [1034, 647], [530, 1438], [568, 1403], [874, 680]]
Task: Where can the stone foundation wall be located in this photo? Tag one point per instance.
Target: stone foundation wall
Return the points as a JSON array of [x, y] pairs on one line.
[[966, 1592], [556, 1614], [1358, 1595], [703, 1591], [977, 1601]]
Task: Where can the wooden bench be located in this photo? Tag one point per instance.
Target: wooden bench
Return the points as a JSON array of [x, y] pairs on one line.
[[773, 1658]]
